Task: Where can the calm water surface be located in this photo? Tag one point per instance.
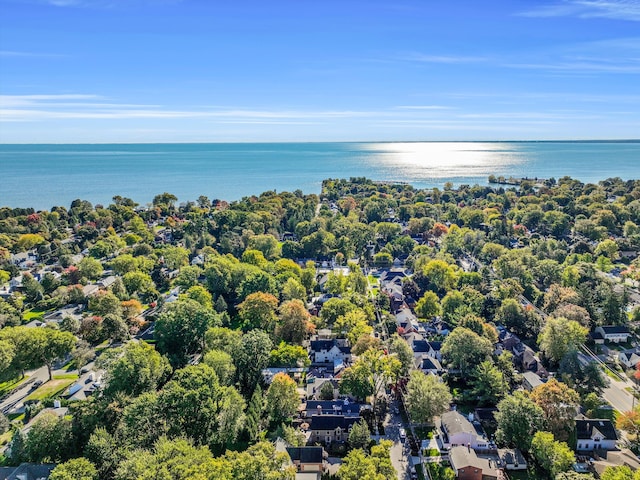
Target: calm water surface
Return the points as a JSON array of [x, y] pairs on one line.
[[41, 176]]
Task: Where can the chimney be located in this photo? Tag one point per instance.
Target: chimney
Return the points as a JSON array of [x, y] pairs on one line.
[[469, 447]]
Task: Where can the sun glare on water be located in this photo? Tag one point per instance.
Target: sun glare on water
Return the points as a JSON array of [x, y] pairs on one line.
[[424, 160]]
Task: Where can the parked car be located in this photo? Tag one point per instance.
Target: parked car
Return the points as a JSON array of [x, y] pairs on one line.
[[403, 434]]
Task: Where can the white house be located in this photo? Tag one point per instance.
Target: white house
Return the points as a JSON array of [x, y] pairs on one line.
[[612, 333], [592, 434], [455, 429], [329, 351], [629, 358]]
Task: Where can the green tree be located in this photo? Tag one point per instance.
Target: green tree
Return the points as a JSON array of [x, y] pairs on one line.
[[197, 406], [137, 369], [222, 338], [359, 436], [426, 397], [251, 357], [75, 469], [560, 336], [353, 325], [518, 418], [180, 329], [428, 306], [222, 364], [287, 355], [105, 303], [622, 472], [104, 452], [49, 439], [551, 455], [489, 384], [282, 398], [357, 465], [90, 268], [293, 290], [7, 352], [403, 352], [463, 349], [253, 423], [200, 295], [326, 391]]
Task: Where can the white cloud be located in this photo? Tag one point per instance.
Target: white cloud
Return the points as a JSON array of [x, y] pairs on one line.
[[613, 9]]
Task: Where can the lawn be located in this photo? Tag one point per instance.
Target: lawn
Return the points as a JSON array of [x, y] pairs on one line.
[[52, 388], [32, 314]]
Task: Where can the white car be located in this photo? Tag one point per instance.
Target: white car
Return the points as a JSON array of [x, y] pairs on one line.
[[403, 434]]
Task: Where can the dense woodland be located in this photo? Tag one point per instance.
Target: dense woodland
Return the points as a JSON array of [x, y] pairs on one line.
[[189, 400]]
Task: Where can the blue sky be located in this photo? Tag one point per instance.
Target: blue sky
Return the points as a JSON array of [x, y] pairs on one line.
[[330, 70]]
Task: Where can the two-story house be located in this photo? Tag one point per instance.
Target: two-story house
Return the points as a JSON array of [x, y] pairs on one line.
[[329, 351], [595, 434], [326, 429], [611, 333], [455, 429]]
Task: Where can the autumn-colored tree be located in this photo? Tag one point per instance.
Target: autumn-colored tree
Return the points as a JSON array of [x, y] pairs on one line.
[[559, 404], [258, 311]]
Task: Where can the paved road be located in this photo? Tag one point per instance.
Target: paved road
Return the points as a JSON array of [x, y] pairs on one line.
[[399, 454], [617, 396], [16, 399]]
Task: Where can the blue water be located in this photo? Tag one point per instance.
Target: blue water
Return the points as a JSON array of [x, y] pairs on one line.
[[42, 176]]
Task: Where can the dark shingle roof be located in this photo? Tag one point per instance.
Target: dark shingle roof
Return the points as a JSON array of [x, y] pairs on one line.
[[328, 406], [320, 345], [585, 429], [609, 329], [331, 422], [305, 454]]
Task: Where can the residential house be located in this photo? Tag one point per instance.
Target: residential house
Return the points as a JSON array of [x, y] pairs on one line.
[[90, 290], [326, 429], [396, 298], [455, 429], [429, 365], [328, 351], [314, 385], [629, 358], [512, 459], [307, 460], [595, 434], [407, 321], [72, 311], [616, 458], [388, 276], [331, 407], [27, 471], [531, 380], [106, 282], [468, 466], [612, 333]]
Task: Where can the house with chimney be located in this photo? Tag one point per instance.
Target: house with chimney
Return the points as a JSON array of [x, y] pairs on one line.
[[468, 466], [454, 429], [595, 434]]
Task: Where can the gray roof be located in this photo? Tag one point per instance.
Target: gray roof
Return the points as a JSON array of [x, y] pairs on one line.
[[454, 422], [27, 471], [461, 457]]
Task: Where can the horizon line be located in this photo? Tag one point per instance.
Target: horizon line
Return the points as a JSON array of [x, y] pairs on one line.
[[248, 142]]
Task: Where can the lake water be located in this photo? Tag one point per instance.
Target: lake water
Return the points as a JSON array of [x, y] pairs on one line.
[[42, 176]]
